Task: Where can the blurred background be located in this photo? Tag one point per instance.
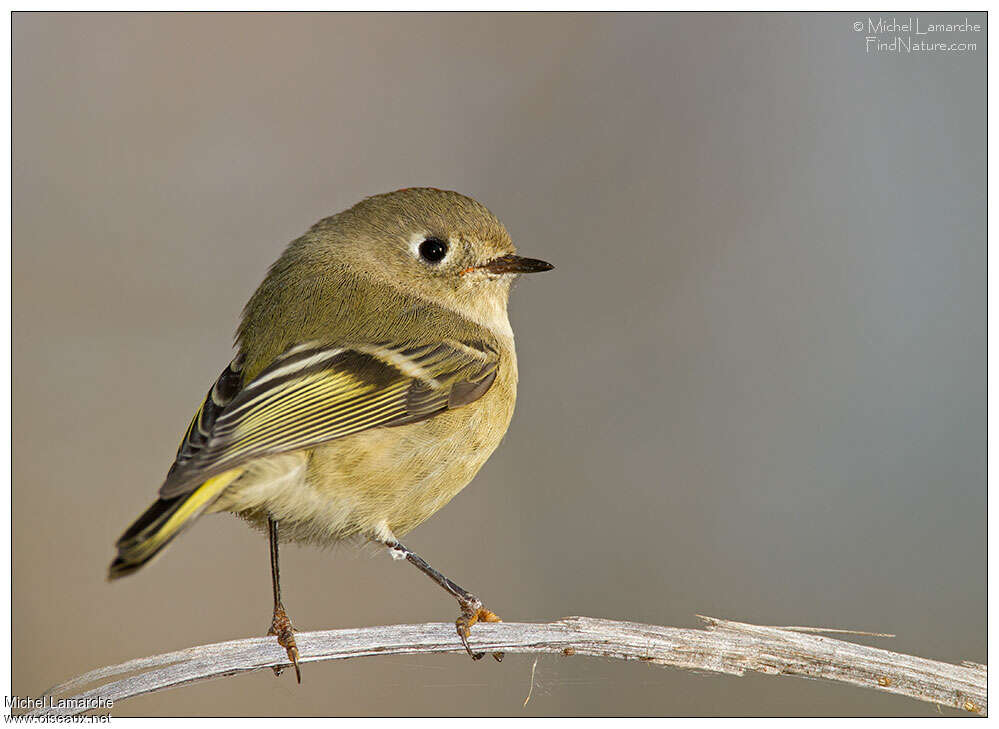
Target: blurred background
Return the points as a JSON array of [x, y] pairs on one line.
[[753, 388]]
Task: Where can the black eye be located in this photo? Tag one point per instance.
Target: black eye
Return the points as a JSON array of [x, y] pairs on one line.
[[433, 250]]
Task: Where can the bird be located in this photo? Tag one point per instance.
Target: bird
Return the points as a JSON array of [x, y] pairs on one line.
[[374, 374]]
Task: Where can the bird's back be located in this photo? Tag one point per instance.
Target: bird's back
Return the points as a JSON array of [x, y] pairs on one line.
[[390, 477]]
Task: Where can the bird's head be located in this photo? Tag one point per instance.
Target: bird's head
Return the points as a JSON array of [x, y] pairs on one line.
[[435, 244]]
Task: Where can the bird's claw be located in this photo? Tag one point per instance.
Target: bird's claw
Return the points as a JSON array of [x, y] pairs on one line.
[[473, 612], [282, 628]]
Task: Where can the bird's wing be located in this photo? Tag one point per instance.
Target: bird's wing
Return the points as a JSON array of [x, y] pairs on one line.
[[316, 393]]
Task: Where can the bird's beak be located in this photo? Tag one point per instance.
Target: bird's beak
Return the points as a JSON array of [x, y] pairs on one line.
[[515, 264]]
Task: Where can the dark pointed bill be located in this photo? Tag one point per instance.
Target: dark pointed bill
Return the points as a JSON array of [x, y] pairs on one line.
[[516, 264]]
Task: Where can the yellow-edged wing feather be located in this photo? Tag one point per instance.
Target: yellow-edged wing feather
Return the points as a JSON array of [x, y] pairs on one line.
[[310, 395], [163, 521], [314, 394]]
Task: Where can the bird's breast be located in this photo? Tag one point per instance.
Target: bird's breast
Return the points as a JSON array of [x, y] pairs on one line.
[[401, 476], [394, 477]]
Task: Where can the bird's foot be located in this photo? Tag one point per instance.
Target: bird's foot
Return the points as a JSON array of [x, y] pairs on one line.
[[473, 612], [282, 628]]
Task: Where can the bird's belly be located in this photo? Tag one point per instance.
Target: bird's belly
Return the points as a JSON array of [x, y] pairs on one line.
[[382, 479]]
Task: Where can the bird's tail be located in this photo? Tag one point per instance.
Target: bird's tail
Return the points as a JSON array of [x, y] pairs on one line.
[[163, 521]]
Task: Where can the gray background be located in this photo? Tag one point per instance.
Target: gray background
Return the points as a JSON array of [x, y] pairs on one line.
[[753, 388]]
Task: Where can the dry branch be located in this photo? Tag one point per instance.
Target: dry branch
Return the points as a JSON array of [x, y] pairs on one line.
[[722, 646]]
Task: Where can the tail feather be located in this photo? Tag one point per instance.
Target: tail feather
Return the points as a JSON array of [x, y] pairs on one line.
[[163, 521]]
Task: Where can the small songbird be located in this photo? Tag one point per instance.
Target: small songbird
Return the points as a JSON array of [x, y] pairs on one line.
[[374, 374]]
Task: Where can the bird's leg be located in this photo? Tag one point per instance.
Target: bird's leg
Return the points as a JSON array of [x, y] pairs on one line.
[[472, 610], [281, 624]]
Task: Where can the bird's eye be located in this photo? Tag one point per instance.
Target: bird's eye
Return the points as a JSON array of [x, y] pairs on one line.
[[433, 250]]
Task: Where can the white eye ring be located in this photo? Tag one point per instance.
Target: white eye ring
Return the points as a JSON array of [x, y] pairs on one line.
[[430, 249]]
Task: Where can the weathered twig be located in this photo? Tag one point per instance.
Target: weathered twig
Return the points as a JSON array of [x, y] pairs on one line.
[[723, 646]]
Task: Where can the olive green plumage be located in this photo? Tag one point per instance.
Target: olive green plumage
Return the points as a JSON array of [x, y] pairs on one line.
[[371, 381], [351, 277]]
